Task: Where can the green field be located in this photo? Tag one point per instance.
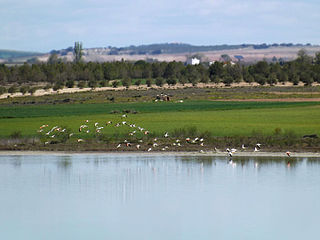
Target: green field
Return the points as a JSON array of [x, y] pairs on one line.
[[218, 118]]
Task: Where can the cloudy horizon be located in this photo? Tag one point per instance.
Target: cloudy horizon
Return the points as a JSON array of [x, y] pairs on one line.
[[35, 25]]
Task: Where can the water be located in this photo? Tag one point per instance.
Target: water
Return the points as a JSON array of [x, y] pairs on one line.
[[158, 197]]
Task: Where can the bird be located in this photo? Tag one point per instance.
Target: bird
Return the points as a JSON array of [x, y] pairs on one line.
[[138, 146], [243, 147], [166, 135], [256, 149], [149, 149], [119, 145], [258, 145], [288, 153]]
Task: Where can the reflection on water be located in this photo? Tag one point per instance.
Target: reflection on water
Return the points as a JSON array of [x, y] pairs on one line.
[[158, 197]]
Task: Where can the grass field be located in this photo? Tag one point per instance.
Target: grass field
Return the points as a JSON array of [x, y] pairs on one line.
[[217, 118]]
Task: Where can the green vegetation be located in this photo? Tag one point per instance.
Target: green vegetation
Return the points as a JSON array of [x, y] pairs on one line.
[[277, 125], [217, 118], [305, 69]]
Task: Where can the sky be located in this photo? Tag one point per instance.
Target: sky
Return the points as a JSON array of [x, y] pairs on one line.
[[44, 25]]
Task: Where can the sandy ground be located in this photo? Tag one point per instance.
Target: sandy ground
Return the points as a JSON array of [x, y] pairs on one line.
[[209, 153], [42, 92]]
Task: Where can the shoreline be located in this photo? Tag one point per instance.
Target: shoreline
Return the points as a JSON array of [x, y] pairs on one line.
[[136, 153]]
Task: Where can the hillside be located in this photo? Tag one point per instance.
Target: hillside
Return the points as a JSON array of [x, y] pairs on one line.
[[9, 54], [169, 52]]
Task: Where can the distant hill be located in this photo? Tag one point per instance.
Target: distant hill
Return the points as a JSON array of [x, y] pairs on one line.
[[10, 54], [171, 48]]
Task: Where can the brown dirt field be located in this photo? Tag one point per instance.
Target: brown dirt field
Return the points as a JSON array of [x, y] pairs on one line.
[[42, 92]]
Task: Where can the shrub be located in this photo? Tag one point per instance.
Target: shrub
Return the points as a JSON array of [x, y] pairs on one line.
[[16, 134], [115, 84], [172, 81], [12, 89], [24, 89], [159, 81], [126, 82], [149, 82], [70, 84], [137, 82], [57, 86], [2, 90], [82, 84], [32, 90]]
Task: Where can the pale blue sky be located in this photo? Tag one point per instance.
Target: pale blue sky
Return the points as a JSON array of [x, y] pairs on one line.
[[42, 25]]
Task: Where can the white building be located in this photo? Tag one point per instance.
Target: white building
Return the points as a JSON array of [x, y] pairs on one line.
[[193, 61]]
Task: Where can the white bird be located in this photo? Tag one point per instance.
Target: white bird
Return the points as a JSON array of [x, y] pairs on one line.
[[256, 149], [149, 149], [119, 145], [258, 145], [80, 140], [155, 144], [166, 135], [138, 146], [96, 124], [243, 147], [124, 116], [288, 153]]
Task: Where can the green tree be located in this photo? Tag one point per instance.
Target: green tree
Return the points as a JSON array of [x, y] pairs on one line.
[[12, 89], [77, 51], [272, 79], [159, 81], [81, 84], [137, 82], [126, 82], [70, 84], [32, 90], [2, 90], [24, 89], [149, 82], [172, 81], [115, 84], [216, 71]]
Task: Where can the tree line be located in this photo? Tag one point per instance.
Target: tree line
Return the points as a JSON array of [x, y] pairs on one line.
[[58, 74]]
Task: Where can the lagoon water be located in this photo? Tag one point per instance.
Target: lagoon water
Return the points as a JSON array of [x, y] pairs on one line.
[[124, 196]]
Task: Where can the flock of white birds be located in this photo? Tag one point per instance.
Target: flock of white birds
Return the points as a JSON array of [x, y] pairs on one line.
[[84, 128]]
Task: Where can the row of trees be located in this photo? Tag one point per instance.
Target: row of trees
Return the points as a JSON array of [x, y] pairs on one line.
[[55, 72]]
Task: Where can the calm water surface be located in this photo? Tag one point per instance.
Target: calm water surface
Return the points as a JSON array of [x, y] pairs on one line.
[[158, 197]]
